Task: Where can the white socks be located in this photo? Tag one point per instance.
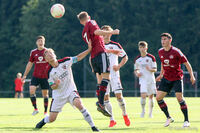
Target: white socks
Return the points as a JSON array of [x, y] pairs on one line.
[[46, 119], [109, 108], [143, 102], [122, 105], [151, 104], [87, 117]]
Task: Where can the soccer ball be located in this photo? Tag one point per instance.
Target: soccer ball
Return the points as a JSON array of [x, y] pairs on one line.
[[57, 10]]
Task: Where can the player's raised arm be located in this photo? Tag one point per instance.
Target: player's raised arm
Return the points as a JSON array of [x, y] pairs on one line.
[[103, 32], [85, 53]]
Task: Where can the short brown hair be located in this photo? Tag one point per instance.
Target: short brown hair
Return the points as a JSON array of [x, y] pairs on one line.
[[40, 37], [166, 35], [82, 15], [107, 28], [48, 50], [143, 44]]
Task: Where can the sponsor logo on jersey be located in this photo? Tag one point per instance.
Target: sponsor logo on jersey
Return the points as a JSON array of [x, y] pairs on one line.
[[40, 58], [63, 75], [166, 61], [64, 67]]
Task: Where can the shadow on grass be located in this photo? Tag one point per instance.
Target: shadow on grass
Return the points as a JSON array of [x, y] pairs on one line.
[[125, 129], [44, 129]]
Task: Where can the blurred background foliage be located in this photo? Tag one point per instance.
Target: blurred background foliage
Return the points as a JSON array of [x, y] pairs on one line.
[[23, 20]]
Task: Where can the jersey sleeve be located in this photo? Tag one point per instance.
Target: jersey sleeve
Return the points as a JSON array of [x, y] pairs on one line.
[[136, 66], [183, 59], [122, 52], [93, 26], [31, 59], [153, 62], [154, 65], [51, 80]]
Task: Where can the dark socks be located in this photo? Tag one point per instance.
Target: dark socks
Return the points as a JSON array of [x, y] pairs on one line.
[[163, 107], [45, 104], [102, 90], [184, 109], [33, 100]]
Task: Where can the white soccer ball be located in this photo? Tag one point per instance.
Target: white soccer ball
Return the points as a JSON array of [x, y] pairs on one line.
[[57, 10]]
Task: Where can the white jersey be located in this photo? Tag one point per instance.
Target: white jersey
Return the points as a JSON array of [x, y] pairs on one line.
[[63, 72], [113, 59], [141, 63]]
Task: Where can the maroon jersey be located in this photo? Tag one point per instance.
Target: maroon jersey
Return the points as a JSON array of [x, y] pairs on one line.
[[97, 41], [171, 61], [40, 69]]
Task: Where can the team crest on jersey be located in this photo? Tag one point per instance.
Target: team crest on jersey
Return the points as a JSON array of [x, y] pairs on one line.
[[147, 60], [64, 67], [111, 47], [40, 58], [171, 56]]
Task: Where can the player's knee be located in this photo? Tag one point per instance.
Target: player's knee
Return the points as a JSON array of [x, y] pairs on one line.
[[52, 119], [104, 84], [106, 98], [158, 98], [32, 91], [179, 99], [78, 103], [119, 96]]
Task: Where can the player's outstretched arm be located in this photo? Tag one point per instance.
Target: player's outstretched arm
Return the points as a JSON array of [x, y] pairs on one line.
[[86, 52], [189, 68], [104, 33], [27, 70]]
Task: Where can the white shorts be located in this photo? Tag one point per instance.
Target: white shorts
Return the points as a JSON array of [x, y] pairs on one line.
[[58, 103], [148, 88], [115, 85]]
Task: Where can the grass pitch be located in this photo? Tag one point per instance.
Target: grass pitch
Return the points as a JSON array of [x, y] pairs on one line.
[[15, 116]]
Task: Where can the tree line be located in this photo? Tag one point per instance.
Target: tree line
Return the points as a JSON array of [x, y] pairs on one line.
[[22, 21]]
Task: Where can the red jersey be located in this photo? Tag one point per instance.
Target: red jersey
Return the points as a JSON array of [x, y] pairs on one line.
[[18, 84], [171, 61], [40, 69], [97, 41]]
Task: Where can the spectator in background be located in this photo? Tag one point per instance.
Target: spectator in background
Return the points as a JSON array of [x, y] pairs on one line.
[[19, 86]]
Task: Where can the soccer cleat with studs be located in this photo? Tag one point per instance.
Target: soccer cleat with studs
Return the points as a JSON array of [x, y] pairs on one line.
[[168, 121], [40, 124], [103, 110], [95, 129], [112, 123], [35, 112], [126, 120]]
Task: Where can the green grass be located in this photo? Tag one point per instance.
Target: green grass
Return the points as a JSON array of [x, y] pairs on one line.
[[15, 116]]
